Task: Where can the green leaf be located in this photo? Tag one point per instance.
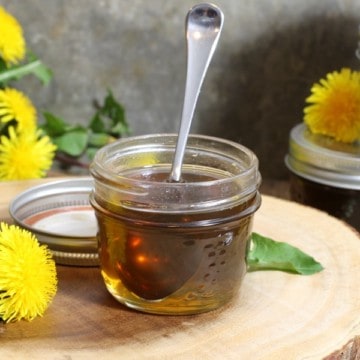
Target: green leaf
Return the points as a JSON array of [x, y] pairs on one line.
[[90, 152], [120, 129], [43, 73], [76, 141], [98, 139], [110, 118], [53, 126], [72, 143], [267, 254], [97, 125]]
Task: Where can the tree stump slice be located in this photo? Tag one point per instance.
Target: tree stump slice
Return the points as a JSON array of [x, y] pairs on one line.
[[276, 315]]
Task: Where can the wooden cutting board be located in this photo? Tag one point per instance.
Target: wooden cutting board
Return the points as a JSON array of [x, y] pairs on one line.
[[276, 315]]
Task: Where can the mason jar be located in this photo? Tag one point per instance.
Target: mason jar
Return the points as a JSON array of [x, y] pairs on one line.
[[174, 247], [325, 174]]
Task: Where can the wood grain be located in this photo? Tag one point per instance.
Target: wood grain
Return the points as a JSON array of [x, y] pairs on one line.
[[276, 315]]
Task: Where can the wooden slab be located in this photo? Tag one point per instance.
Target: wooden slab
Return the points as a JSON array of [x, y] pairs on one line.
[[276, 315]]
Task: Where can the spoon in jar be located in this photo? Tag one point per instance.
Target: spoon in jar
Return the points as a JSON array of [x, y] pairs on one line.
[[203, 27]]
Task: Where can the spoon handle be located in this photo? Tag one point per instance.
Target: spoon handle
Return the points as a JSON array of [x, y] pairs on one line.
[[203, 27]]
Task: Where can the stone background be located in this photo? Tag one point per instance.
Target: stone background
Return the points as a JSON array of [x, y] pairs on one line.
[[269, 55]]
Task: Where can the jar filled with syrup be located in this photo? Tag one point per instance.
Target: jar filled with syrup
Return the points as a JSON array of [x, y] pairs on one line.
[[174, 247], [325, 174]]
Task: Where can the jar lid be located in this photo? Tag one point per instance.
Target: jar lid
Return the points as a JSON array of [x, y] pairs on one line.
[[321, 159], [59, 215]]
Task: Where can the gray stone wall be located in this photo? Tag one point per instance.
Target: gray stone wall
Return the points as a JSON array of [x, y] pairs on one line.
[[269, 55]]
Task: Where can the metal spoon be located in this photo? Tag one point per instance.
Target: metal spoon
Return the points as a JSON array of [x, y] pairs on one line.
[[203, 27]]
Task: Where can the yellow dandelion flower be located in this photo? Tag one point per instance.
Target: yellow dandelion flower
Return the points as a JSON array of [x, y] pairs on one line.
[[12, 42], [334, 108], [14, 105], [25, 155], [28, 280]]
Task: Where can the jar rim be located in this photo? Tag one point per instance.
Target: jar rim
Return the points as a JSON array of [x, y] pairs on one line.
[[253, 160], [236, 165]]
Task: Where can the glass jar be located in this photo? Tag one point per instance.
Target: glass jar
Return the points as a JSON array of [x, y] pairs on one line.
[[325, 174], [174, 248]]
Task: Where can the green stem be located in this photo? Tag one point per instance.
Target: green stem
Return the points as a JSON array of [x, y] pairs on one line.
[[70, 161], [19, 71]]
